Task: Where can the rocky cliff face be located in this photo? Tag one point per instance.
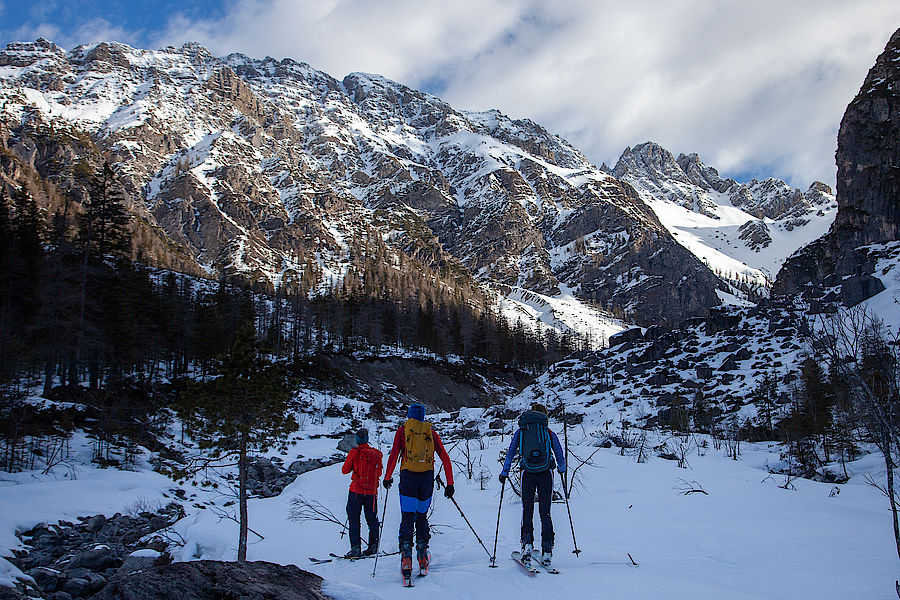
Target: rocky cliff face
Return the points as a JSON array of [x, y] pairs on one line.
[[275, 172], [868, 192]]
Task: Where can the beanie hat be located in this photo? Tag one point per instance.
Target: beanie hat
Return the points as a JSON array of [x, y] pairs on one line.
[[362, 436], [538, 407], [416, 411]]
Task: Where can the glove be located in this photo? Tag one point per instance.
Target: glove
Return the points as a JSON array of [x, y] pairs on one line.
[[387, 483], [448, 491], [502, 478]]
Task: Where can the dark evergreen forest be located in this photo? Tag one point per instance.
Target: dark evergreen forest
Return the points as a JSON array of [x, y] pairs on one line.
[[81, 316]]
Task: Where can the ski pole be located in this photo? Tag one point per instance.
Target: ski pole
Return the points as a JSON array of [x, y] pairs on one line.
[[576, 551], [497, 532], [380, 530], [470, 527]]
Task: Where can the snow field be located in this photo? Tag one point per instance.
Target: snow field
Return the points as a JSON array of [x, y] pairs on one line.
[[747, 539]]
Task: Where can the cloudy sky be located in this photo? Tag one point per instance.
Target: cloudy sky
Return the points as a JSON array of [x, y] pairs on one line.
[[756, 88]]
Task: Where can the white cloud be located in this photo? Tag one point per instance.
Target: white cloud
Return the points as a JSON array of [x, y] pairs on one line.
[[751, 86]]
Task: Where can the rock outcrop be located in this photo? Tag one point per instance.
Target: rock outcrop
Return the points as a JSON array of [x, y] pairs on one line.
[[868, 192], [215, 580], [73, 560]]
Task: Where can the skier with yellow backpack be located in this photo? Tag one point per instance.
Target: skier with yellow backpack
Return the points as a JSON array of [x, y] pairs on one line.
[[416, 443]]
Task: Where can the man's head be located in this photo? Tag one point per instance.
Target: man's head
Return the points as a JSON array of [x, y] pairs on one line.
[[416, 411], [538, 407], [362, 436]]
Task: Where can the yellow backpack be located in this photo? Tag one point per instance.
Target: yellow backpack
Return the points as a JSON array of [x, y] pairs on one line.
[[419, 453]]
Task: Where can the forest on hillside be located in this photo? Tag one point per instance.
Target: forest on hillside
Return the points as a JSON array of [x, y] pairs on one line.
[[82, 318]]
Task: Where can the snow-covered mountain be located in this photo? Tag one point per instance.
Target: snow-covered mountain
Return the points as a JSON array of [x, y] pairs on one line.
[[275, 172], [743, 231]]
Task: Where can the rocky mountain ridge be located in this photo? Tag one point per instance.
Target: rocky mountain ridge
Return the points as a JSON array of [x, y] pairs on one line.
[[741, 230], [275, 172]]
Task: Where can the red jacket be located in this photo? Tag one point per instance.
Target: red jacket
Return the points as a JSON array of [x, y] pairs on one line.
[[400, 445], [365, 463]]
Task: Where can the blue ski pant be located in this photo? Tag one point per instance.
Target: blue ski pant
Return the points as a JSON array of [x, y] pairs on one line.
[[415, 500], [542, 483], [357, 503]]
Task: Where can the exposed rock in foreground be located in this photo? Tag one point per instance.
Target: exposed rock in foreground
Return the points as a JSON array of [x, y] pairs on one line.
[[215, 580]]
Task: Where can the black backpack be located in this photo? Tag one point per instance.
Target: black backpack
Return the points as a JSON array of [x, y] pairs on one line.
[[534, 442]]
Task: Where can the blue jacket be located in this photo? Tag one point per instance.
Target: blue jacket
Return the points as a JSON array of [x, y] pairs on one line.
[[514, 450]]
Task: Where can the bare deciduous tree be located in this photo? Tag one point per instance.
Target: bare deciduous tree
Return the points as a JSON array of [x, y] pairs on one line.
[[865, 365]]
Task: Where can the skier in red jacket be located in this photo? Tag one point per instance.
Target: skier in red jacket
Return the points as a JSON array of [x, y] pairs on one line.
[[365, 464], [416, 444]]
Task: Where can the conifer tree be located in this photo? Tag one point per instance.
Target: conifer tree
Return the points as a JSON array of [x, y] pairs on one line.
[[243, 408]]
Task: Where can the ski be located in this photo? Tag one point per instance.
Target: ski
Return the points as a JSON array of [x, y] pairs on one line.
[[319, 561], [382, 555], [551, 570], [532, 570]]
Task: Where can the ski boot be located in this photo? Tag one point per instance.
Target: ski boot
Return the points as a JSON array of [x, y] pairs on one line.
[[406, 563], [527, 551], [546, 558], [354, 553], [371, 550], [424, 557]]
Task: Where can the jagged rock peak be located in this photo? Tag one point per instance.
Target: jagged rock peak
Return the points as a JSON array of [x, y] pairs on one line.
[[39, 45], [195, 51], [652, 159], [868, 187], [868, 191], [689, 182]]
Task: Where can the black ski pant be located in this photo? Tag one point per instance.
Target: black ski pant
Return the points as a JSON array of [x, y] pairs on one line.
[[367, 503], [415, 500], [541, 482]]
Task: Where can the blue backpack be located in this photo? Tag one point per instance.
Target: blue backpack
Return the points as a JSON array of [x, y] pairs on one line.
[[534, 442]]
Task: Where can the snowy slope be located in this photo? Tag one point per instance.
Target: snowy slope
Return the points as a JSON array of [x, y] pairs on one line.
[[742, 231], [720, 362], [746, 539], [886, 304], [561, 314]]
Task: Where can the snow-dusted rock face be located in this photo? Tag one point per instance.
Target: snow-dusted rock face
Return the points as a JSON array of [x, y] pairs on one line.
[[705, 375], [743, 231], [868, 192], [274, 171]]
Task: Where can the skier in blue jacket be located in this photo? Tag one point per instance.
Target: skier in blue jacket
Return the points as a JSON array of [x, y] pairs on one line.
[[533, 442]]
